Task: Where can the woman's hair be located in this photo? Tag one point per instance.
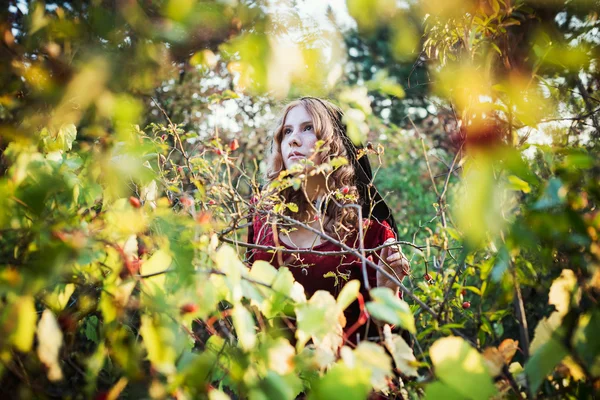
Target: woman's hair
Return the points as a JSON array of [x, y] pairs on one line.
[[328, 127]]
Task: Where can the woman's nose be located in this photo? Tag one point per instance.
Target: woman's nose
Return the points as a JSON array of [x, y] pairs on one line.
[[295, 139]]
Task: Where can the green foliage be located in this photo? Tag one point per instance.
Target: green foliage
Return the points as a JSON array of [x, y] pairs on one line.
[[133, 133], [387, 307]]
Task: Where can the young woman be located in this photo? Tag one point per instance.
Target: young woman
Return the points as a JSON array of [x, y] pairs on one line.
[[329, 206]]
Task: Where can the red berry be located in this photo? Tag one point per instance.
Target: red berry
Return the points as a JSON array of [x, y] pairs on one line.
[[203, 218], [62, 236], [188, 308], [186, 201], [180, 169], [427, 277], [219, 152], [234, 145], [466, 305], [212, 202], [131, 267], [345, 190], [135, 202], [463, 292]]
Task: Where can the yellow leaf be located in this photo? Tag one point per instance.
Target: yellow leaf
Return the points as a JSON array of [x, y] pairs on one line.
[[373, 357], [561, 290], [160, 261], [462, 368], [217, 395], [159, 340], [57, 300], [116, 390], [348, 294], [22, 337]]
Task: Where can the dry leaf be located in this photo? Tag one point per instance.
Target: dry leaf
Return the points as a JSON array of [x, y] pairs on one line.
[[50, 341], [401, 352], [493, 360], [508, 348]]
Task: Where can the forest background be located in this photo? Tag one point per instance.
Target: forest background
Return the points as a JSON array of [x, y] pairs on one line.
[[133, 135]]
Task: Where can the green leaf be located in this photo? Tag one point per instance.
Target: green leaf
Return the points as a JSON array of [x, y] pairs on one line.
[[262, 271], [228, 262], [401, 352], [317, 318], [348, 294], [439, 390], [372, 357], [282, 290], [496, 48], [586, 342], [275, 386], [392, 88], [462, 368], [342, 382], [338, 162], [543, 361], [389, 308], [454, 234], [244, 327], [160, 261], [91, 328], [207, 296]]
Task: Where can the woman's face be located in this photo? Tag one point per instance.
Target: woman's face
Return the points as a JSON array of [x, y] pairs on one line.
[[298, 136]]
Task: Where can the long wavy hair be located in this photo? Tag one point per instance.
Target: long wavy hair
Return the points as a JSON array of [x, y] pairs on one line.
[[328, 127]]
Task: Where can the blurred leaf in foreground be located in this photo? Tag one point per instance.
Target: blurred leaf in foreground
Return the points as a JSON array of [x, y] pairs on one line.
[[461, 368], [50, 340]]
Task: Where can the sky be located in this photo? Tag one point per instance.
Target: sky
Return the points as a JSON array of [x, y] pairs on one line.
[[317, 9]]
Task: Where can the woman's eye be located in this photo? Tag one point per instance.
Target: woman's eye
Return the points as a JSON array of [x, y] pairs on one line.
[[287, 131], [308, 128]]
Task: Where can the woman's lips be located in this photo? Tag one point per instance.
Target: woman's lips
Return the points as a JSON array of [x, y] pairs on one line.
[[293, 156]]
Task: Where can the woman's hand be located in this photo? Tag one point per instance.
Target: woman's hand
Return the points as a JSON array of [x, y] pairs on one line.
[[397, 265]]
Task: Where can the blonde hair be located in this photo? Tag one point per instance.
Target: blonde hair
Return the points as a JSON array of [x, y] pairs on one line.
[[328, 126]]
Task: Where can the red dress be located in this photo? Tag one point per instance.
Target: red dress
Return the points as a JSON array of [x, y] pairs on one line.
[[326, 272]]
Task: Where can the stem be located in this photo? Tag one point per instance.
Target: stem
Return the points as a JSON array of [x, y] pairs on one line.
[[520, 308]]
